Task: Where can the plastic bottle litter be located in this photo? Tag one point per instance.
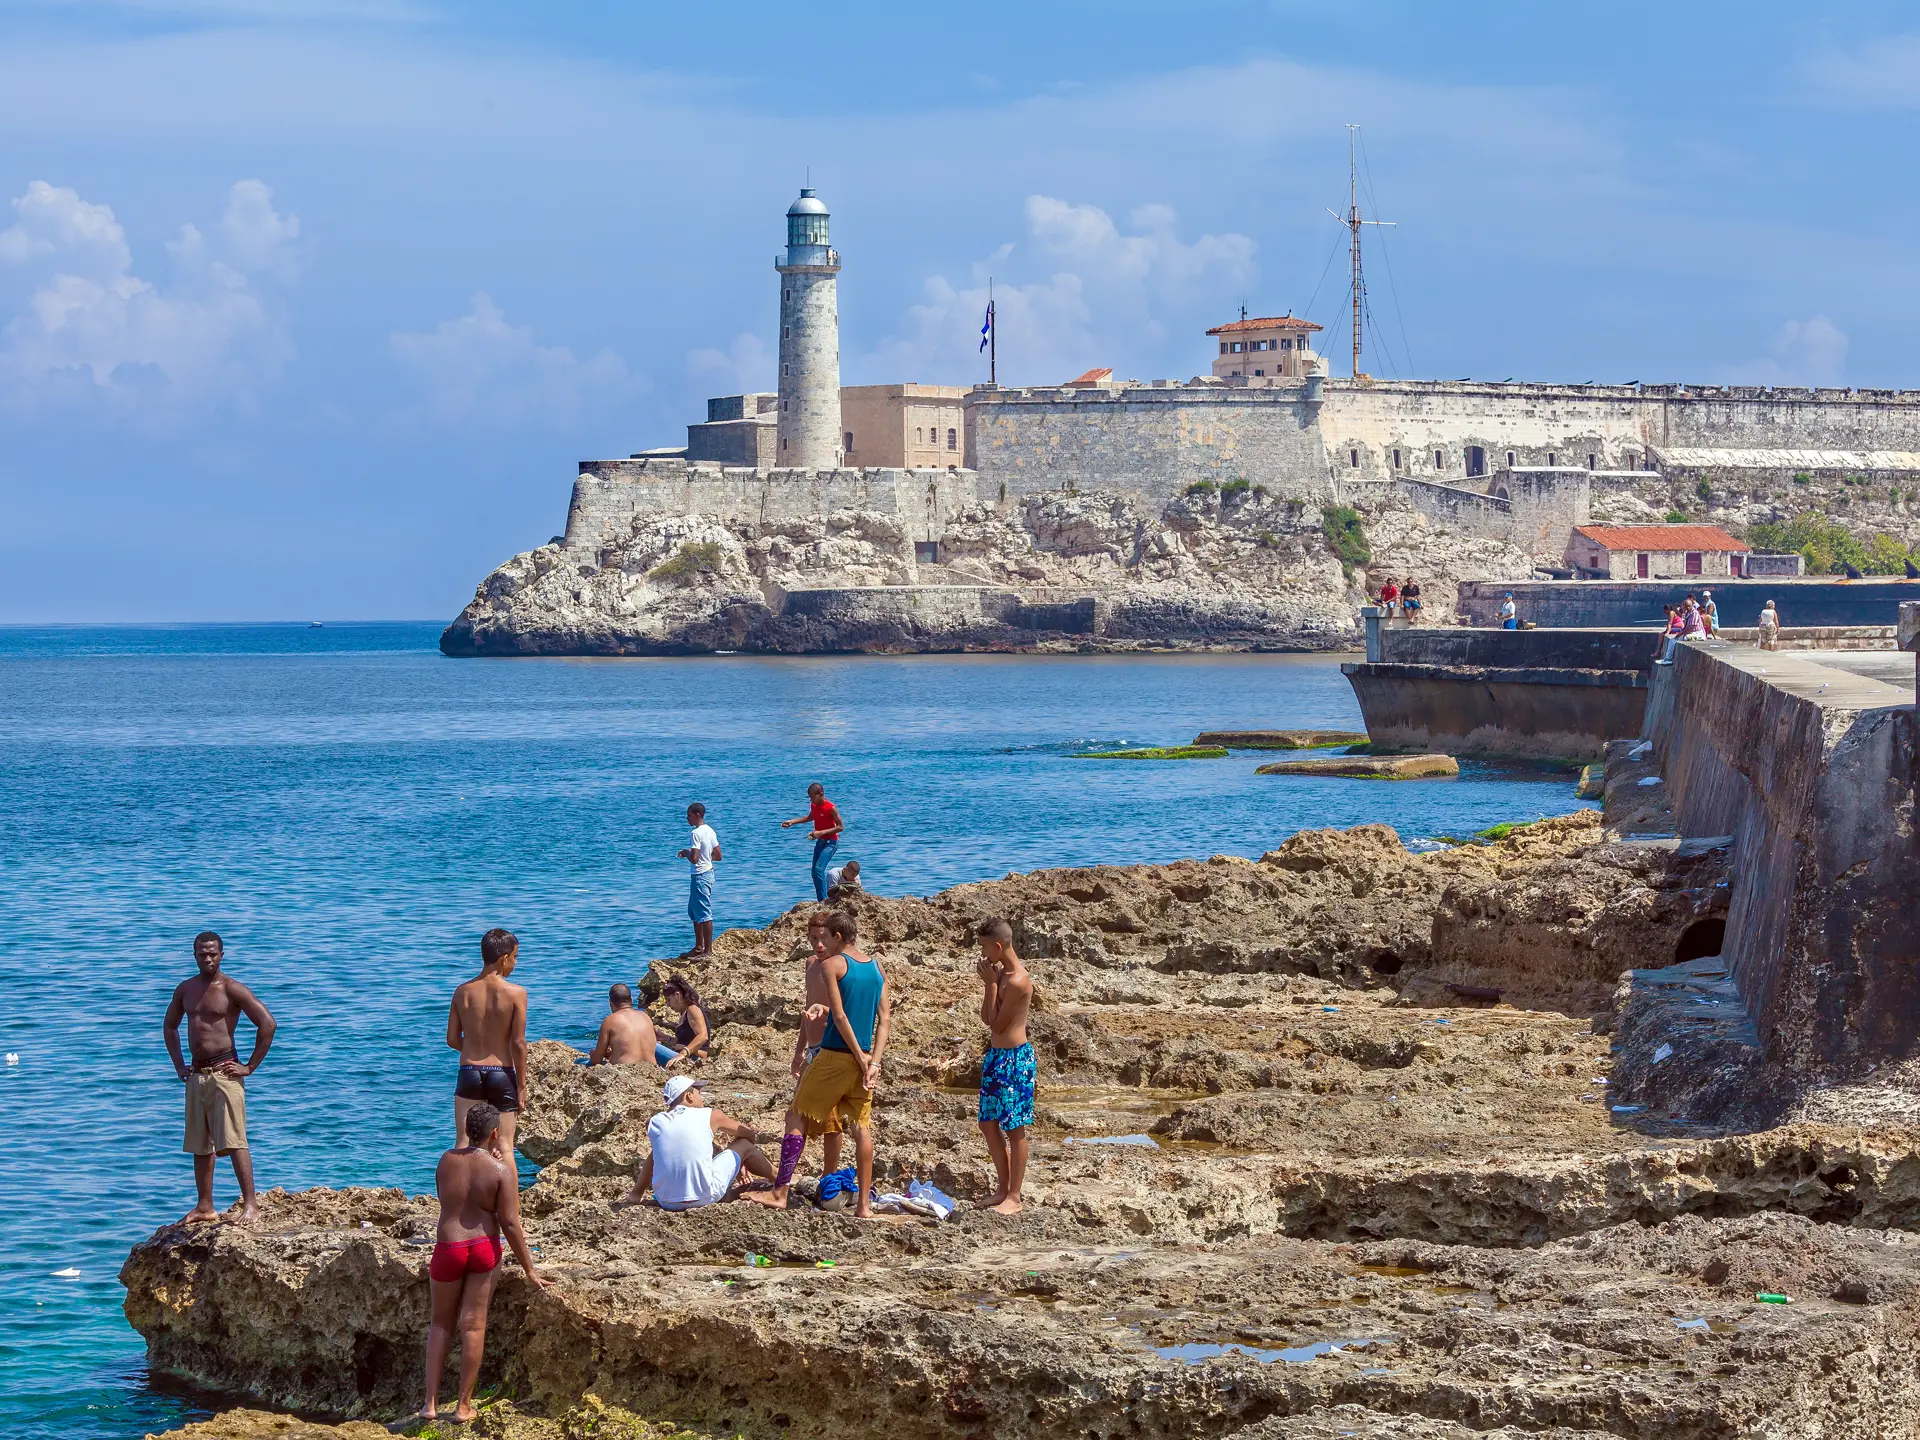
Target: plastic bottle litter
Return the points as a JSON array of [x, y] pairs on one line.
[[1772, 1297], [1627, 1109], [765, 1262], [1329, 1009], [1441, 1020], [825, 1264]]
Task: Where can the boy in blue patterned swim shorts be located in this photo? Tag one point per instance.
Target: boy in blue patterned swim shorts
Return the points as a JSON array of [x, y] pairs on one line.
[[1006, 1071]]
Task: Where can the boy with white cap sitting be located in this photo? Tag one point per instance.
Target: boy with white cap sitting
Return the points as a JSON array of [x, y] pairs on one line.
[[682, 1167]]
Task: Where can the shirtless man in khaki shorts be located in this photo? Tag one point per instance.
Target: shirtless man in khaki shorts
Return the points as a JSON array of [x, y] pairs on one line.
[[212, 1004]]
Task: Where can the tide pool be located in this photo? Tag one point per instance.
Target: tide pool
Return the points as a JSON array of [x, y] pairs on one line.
[[350, 810]]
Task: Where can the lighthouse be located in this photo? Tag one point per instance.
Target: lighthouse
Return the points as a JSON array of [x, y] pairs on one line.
[[808, 429]]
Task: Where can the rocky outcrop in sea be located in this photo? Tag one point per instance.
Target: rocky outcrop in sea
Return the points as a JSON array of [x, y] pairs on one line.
[[1324, 1146], [1060, 570]]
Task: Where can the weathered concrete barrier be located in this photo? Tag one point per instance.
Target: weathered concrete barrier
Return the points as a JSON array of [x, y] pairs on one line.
[[1812, 771], [1813, 600], [1560, 693]]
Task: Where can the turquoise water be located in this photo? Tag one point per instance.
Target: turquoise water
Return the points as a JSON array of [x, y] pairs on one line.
[[351, 811]]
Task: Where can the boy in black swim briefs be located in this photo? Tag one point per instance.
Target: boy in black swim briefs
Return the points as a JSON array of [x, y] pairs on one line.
[[487, 1024]]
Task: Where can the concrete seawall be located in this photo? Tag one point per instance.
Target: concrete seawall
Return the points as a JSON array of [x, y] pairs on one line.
[[1548, 693], [1811, 770], [1804, 602]]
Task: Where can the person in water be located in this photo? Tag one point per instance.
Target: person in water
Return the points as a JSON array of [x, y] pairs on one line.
[[1006, 1070], [836, 1089], [682, 1168], [212, 1003], [825, 831], [701, 852], [479, 1202], [487, 1024], [690, 1033], [626, 1035]]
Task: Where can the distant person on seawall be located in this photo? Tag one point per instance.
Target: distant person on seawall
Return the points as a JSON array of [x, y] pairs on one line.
[[212, 1004], [827, 827], [1509, 613], [1769, 627], [479, 1201]]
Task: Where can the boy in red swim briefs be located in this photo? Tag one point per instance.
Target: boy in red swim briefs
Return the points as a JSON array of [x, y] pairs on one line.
[[479, 1202]]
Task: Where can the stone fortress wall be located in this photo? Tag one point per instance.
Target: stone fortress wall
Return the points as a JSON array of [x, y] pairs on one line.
[[609, 496]]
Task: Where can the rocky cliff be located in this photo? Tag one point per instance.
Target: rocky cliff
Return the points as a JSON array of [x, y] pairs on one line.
[[1071, 570], [1295, 1174]]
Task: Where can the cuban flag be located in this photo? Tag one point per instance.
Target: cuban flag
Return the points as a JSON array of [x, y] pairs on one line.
[[986, 327]]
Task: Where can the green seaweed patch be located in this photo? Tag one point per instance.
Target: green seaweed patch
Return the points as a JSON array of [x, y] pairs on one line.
[[1160, 752], [1495, 833]]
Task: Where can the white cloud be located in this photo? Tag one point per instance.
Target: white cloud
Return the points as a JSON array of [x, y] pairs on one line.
[[745, 365], [1111, 301], [480, 369], [1804, 352], [91, 327]]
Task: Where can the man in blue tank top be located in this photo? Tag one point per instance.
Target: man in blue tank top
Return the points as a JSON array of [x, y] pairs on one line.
[[836, 1090]]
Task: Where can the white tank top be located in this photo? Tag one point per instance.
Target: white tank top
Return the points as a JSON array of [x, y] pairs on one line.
[[683, 1170]]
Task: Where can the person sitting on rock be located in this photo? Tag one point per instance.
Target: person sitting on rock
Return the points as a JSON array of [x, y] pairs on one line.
[[690, 1035], [682, 1168], [1410, 601], [479, 1202], [1389, 596], [626, 1035], [843, 879]]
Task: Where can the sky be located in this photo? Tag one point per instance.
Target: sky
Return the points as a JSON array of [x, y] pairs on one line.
[[308, 310]]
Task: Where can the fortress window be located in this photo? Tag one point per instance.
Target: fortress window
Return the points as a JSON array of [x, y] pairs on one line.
[[1550, 460], [1354, 457], [785, 333], [849, 442], [1509, 459], [786, 370], [1286, 344], [1236, 347], [916, 434], [953, 439], [1439, 460], [1259, 372], [1396, 459], [1223, 347], [1590, 460]]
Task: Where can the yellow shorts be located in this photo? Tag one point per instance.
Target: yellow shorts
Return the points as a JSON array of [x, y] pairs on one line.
[[216, 1113], [831, 1098]]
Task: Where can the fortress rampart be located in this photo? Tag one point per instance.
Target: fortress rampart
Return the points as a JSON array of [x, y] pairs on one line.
[[1308, 440], [610, 495]]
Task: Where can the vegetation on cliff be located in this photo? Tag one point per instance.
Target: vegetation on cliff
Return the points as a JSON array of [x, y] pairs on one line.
[[1346, 537], [1830, 547]]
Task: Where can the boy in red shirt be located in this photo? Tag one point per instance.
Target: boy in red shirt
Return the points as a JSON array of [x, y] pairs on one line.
[[825, 834]]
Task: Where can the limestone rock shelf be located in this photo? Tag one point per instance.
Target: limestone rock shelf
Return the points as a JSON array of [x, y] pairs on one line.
[[1348, 1204]]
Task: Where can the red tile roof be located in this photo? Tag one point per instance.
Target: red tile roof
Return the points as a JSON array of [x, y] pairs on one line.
[[1271, 322], [1660, 537], [1092, 378]]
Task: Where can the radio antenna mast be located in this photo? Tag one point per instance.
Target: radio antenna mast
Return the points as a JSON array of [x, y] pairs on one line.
[[1353, 220]]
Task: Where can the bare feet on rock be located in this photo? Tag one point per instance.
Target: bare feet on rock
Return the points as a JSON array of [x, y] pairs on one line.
[[200, 1215], [249, 1214], [1005, 1207], [764, 1197]]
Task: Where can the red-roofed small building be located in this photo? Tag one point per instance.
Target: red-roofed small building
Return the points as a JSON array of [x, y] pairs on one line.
[[1654, 552], [1269, 348]]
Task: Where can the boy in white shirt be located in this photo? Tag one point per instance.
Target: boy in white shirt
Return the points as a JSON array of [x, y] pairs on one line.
[[684, 1168], [702, 851]]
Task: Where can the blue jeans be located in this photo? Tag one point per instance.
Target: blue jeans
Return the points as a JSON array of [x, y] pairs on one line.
[[664, 1054], [700, 897], [822, 858]]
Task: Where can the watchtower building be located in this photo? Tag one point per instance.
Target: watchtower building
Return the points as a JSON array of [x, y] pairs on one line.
[[808, 424]]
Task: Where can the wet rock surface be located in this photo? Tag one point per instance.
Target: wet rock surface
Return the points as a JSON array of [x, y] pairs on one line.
[[1280, 1187]]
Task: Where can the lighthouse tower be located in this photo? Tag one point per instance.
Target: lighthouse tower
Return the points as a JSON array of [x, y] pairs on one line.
[[809, 420]]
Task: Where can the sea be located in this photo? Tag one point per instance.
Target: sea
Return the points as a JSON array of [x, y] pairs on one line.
[[351, 810]]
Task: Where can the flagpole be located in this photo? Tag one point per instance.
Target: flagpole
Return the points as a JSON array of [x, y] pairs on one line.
[[993, 339]]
